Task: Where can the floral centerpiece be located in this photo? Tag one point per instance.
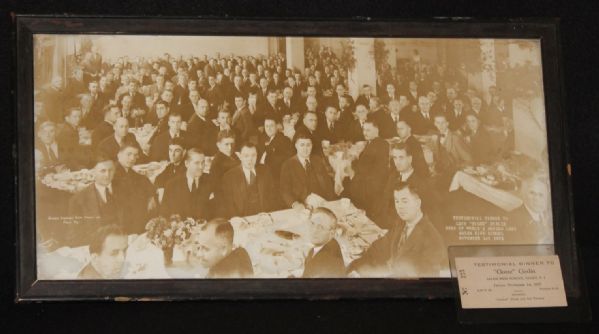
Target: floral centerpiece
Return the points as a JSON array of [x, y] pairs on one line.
[[166, 233]]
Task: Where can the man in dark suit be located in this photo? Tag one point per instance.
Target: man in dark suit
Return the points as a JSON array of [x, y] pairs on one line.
[[404, 132], [370, 170], [402, 171], [271, 108], [200, 127], [421, 121], [176, 166], [452, 150], [479, 140], [380, 115], [68, 141], [364, 98], [390, 94], [215, 97], [188, 108], [304, 174], [224, 160], [355, 126], [288, 104], [309, 126], [273, 149], [105, 128], [137, 99], [110, 146], [324, 260], [159, 144], [457, 115], [188, 196], [532, 220], [96, 205], [243, 122], [238, 89], [411, 248], [107, 251], [247, 189], [50, 151], [331, 129], [139, 200], [213, 249]]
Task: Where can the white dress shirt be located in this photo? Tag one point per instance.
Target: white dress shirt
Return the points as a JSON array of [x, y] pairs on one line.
[[246, 172], [102, 191]]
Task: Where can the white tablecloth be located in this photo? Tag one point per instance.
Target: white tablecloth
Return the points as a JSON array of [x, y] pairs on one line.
[[503, 199], [272, 256]]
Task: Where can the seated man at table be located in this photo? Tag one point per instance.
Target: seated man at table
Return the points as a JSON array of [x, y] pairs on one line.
[[324, 259], [224, 160], [247, 189], [304, 174], [160, 142], [98, 204], [411, 248], [188, 195], [139, 193], [308, 127], [273, 148], [213, 249], [532, 220], [452, 152], [479, 140], [106, 127], [402, 170], [107, 254], [175, 167], [371, 169], [404, 132], [110, 145], [51, 152]]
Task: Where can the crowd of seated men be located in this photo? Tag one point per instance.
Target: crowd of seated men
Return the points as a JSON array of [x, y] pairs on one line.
[[235, 109]]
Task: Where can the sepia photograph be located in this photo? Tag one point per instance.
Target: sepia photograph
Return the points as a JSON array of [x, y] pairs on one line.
[[273, 157]]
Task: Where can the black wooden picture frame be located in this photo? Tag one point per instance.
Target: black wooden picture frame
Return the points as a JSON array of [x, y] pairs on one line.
[[29, 288]]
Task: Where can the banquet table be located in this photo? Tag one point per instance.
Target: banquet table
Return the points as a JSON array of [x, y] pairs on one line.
[[277, 243], [504, 199]]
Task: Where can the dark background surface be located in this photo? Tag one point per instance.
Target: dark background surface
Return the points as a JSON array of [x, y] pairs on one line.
[[579, 38]]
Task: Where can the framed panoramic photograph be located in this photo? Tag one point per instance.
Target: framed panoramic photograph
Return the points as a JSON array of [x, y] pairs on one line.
[[182, 158]]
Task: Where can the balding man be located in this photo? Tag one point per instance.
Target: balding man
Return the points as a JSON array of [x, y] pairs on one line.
[[532, 220]]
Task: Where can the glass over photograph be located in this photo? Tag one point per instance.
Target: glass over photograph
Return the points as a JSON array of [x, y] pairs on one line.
[[208, 157]]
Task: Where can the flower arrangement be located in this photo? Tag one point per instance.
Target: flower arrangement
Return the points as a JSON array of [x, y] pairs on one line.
[[166, 233]]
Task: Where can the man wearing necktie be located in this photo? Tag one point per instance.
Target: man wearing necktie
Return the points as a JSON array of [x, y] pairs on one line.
[[324, 259], [304, 174], [98, 204], [189, 195], [421, 121], [411, 248], [532, 220], [328, 129], [248, 188], [50, 151]]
